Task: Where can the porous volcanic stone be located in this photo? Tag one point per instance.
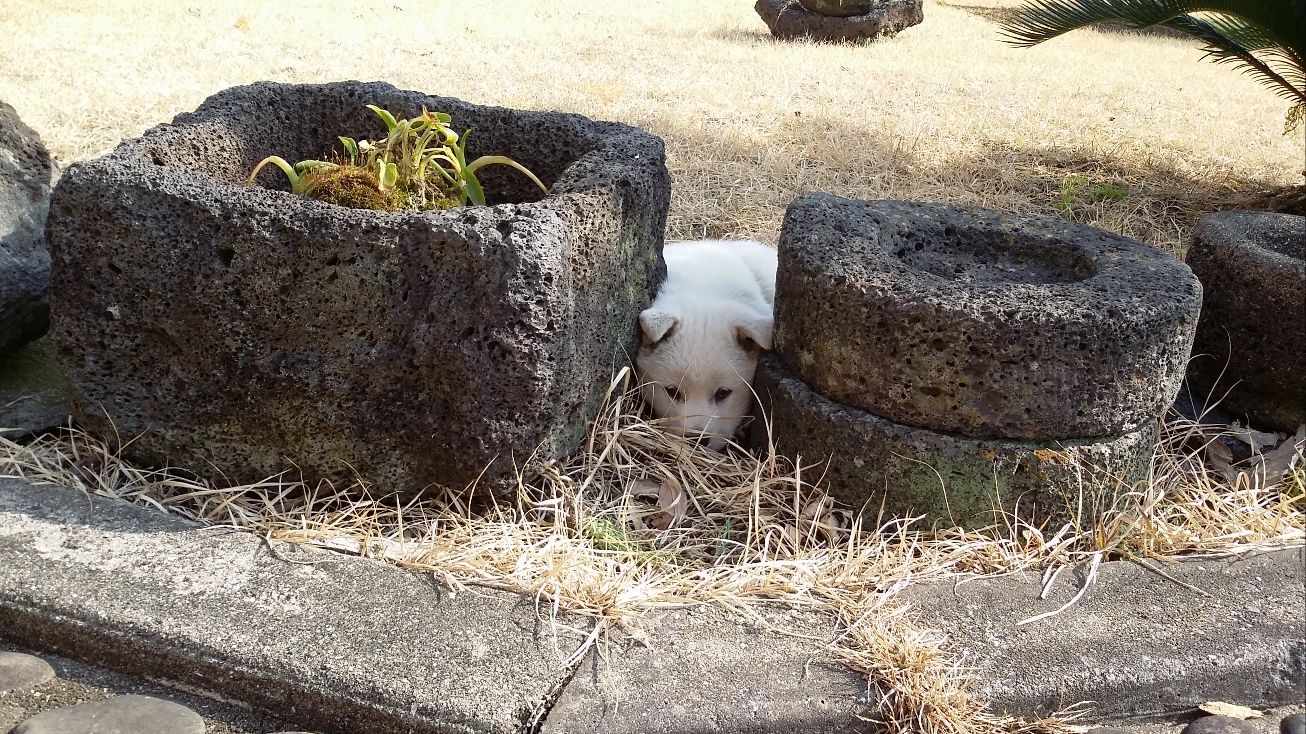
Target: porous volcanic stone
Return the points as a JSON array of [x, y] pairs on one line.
[[1253, 324], [839, 8], [789, 19], [31, 392], [25, 172], [979, 323], [129, 714], [876, 463], [234, 330]]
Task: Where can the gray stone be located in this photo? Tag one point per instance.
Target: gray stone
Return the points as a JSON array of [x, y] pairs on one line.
[[31, 392], [839, 8], [954, 480], [789, 19], [239, 330], [21, 673], [1293, 724], [1137, 644], [699, 672], [1108, 730], [25, 173], [1219, 725], [984, 324], [120, 715], [1251, 339], [320, 639]]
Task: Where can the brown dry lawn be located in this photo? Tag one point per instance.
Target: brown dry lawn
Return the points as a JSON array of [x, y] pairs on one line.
[[1133, 132]]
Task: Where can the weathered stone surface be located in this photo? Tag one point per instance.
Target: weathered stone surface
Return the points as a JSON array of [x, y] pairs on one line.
[[789, 19], [25, 172], [979, 323], [237, 330], [21, 672], [1219, 725], [1251, 339], [1136, 643], [120, 715], [839, 8], [321, 640], [700, 672], [1293, 724], [874, 462], [31, 392]]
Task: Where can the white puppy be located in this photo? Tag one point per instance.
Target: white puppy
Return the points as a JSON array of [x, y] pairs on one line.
[[703, 335]]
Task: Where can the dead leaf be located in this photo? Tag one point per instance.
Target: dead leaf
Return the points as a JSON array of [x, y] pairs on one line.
[[1281, 460], [1254, 438], [671, 500], [1220, 708]]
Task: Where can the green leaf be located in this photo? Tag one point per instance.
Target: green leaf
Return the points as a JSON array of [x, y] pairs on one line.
[[473, 188], [351, 148], [1263, 36], [281, 163], [390, 122], [486, 160]]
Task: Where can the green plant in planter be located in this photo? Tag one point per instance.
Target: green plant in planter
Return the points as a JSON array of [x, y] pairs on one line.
[[422, 164]]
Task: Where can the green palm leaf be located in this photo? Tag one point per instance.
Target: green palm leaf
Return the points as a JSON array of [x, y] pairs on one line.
[[1263, 36]]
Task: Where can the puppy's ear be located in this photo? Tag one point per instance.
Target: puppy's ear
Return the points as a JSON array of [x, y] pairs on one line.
[[657, 326], [753, 332]]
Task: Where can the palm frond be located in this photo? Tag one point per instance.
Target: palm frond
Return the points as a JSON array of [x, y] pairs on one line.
[[1263, 36]]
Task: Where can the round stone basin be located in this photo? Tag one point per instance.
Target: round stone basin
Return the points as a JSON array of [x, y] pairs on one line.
[[994, 261], [981, 323]]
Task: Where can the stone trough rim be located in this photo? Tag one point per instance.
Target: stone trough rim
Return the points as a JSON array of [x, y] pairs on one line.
[[851, 283]]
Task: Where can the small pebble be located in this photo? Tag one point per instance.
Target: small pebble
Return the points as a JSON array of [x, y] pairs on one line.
[[1219, 725], [1294, 724], [20, 672], [121, 715]]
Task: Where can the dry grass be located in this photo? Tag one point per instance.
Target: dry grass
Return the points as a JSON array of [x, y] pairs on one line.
[[735, 531], [944, 112]]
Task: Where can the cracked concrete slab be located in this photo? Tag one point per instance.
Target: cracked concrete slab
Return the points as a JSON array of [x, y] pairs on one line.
[[333, 642], [1138, 644], [697, 671], [343, 644]]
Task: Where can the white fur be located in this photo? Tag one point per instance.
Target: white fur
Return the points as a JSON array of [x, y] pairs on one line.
[[703, 335]]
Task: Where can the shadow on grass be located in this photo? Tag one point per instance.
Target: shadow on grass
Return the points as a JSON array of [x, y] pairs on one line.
[[743, 187], [1001, 15]]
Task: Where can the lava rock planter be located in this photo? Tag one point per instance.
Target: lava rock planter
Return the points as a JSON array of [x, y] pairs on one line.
[[839, 20], [974, 327], [237, 331], [25, 173], [1250, 350], [876, 464]]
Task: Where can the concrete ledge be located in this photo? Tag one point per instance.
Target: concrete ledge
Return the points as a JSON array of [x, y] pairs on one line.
[[1139, 645], [352, 645], [698, 673], [348, 645]]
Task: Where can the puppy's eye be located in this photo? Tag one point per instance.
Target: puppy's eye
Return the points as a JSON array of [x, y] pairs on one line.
[[672, 392], [721, 394]]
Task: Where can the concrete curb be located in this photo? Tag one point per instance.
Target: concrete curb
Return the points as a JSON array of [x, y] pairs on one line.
[[344, 644]]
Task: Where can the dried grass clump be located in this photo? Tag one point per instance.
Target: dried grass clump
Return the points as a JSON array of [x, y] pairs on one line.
[[641, 519]]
